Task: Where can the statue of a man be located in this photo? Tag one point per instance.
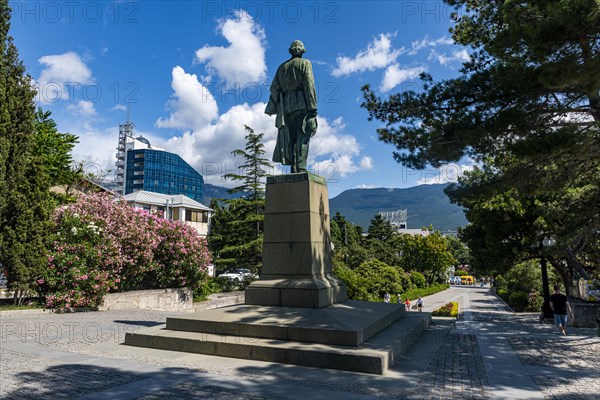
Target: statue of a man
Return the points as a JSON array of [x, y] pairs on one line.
[[294, 100]]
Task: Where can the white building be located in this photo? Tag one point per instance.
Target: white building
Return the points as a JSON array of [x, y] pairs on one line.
[[174, 207]]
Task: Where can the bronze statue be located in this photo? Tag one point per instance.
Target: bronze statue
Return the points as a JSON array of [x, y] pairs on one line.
[[294, 100]]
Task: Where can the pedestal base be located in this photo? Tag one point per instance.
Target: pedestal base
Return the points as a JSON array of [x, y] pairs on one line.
[[311, 292], [297, 266]]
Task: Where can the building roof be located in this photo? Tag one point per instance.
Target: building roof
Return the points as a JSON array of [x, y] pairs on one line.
[[159, 199]]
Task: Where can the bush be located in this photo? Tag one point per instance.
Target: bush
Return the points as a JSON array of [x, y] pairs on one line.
[[372, 279], [534, 301], [460, 272], [208, 287], [448, 310], [503, 294], [414, 293], [417, 279], [100, 245], [518, 301]]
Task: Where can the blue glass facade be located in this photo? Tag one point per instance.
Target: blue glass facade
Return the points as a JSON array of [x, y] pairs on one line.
[[161, 172]]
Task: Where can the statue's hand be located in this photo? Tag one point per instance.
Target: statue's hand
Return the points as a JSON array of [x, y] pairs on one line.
[[312, 113]]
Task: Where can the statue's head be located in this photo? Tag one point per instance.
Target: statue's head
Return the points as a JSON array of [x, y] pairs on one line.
[[297, 48]]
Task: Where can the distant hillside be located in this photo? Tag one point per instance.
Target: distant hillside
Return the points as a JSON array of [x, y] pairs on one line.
[[426, 204], [216, 192]]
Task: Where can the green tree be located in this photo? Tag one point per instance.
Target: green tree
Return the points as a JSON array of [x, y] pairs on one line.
[[532, 81], [429, 255], [348, 242], [527, 106], [54, 150], [236, 236], [459, 250], [372, 279], [380, 229], [24, 198]]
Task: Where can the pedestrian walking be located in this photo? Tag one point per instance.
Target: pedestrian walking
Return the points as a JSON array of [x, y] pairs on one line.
[[559, 304], [420, 304], [407, 304]]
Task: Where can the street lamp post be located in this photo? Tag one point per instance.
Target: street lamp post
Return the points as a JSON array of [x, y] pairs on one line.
[[169, 212], [546, 242]]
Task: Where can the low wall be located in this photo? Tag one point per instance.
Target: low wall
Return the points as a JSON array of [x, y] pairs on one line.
[[585, 314], [156, 299], [218, 300]]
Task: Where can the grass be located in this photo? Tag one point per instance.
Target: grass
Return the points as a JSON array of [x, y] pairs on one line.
[[29, 304], [12, 307]]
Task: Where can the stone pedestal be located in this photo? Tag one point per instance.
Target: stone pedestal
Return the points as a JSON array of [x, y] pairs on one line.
[[297, 267]]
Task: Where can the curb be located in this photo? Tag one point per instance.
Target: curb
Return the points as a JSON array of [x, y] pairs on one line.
[[25, 312], [503, 302]]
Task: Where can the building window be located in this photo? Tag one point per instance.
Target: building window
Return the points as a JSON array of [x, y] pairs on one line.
[[139, 155], [196, 216]]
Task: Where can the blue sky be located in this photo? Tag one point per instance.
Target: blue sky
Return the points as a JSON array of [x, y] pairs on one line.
[[193, 73]]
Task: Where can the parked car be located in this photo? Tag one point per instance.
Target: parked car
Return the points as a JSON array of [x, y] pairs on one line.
[[455, 280], [237, 275]]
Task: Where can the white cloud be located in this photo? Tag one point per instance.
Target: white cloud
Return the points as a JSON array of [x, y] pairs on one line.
[[192, 107], [448, 173], [334, 152], [82, 108], [379, 54], [457, 55], [366, 186], [209, 148], [119, 107], [394, 75], [243, 61], [426, 42], [62, 75], [366, 163]]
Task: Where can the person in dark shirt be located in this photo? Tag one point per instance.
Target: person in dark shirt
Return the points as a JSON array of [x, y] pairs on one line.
[[561, 307]]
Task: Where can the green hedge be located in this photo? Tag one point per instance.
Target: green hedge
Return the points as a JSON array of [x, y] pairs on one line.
[[414, 293], [448, 310]]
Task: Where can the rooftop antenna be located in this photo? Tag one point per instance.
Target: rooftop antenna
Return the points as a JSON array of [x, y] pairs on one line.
[[125, 132]]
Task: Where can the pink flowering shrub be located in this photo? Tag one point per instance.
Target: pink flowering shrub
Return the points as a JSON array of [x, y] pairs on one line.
[[101, 245]]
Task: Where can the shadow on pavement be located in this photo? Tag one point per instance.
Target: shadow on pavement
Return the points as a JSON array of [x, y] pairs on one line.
[[140, 323]]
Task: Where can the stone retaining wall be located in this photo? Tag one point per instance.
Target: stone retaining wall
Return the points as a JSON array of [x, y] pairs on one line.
[[585, 314], [218, 300], [156, 299]]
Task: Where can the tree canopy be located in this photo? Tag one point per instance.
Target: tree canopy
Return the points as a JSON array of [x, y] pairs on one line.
[[526, 107], [237, 228]]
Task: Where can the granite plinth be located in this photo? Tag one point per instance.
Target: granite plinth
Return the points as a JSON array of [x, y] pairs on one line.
[[353, 336], [350, 323], [297, 266]]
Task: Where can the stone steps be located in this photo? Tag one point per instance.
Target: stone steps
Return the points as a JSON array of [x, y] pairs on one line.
[[373, 356], [349, 323]]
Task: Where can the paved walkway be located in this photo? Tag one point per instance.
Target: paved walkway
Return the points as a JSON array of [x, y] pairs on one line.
[[489, 353]]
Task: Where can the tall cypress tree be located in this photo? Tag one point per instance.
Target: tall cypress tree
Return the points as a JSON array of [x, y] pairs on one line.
[[237, 239], [24, 197]]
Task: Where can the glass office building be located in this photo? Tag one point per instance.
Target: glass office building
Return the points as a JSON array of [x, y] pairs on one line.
[[161, 172]]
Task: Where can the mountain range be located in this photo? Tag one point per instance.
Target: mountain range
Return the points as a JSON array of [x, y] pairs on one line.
[[426, 205]]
